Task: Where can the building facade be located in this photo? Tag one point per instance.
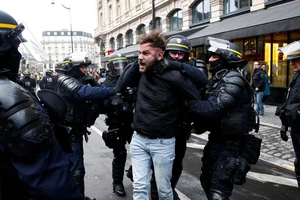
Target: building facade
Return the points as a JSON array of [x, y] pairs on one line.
[[258, 27], [58, 44]]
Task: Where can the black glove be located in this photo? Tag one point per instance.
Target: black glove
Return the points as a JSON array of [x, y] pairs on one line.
[[283, 135], [167, 65], [117, 103]]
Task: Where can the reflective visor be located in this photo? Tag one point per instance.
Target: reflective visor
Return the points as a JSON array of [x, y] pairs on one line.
[[8, 38]]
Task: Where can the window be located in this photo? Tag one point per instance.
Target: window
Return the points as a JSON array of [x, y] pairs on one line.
[[157, 23], [120, 41], [201, 11], [118, 8], [127, 4], [234, 5], [109, 13], [176, 21], [112, 43], [129, 37], [141, 29]]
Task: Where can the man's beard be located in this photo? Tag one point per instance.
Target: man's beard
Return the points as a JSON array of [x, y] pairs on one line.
[[149, 67]]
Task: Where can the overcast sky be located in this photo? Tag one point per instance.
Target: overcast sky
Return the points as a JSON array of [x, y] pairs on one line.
[[41, 15]]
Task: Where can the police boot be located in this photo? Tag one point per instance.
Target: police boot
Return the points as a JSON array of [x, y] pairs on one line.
[[297, 171], [175, 195], [153, 190], [79, 179], [129, 173], [88, 198], [118, 173]]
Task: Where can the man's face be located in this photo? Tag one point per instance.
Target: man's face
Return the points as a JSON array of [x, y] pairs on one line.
[[296, 64], [256, 65], [264, 67], [149, 56], [83, 69], [178, 55]]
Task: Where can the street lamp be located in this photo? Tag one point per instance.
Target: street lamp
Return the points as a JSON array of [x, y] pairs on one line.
[[68, 8]]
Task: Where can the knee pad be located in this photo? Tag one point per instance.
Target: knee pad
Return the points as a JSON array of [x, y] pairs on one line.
[[79, 176]]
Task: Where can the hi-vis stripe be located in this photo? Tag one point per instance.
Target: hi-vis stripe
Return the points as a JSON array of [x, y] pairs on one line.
[[178, 45], [7, 26], [67, 61], [120, 58], [234, 51]]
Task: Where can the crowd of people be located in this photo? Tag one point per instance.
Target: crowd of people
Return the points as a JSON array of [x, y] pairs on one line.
[[154, 104]]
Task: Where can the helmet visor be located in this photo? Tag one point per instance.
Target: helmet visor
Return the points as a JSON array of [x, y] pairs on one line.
[[222, 47], [291, 50], [8, 38]]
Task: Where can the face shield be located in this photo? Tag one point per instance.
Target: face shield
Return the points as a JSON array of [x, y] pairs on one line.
[[292, 50], [7, 39], [117, 67]]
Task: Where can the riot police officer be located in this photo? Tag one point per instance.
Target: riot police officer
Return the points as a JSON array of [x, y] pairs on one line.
[[28, 82], [178, 49], [49, 81], [119, 122], [83, 97], [289, 111], [32, 164], [227, 112]]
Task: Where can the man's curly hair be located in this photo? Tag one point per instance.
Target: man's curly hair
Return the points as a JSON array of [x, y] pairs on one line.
[[156, 38]]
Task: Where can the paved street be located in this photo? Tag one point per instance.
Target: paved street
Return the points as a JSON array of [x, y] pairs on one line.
[[271, 178]]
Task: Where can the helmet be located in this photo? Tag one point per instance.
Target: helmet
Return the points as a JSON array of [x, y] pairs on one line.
[[49, 72], [178, 43], [292, 50], [10, 31], [116, 63], [72, 63], [227, 50], [26, 73]]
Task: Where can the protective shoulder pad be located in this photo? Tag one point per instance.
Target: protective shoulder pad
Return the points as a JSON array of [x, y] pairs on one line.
[[67, 85], [231, 90]]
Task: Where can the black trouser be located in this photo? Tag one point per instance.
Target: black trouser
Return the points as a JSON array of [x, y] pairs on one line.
[[120, 153]]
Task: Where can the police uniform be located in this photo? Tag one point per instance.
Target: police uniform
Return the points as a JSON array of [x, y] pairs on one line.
[[49, 81], [227, 112], [119, 122], [29, 83], [289, 111], [33, 165], [81, 97]]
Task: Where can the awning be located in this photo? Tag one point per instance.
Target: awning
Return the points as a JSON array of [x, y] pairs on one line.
[[273, 19]]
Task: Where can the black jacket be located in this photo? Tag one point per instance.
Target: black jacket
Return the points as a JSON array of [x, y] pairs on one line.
[[258, 80], [159, 96]]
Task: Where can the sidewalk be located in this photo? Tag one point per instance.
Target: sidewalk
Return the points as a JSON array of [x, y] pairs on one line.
[[273, 149]]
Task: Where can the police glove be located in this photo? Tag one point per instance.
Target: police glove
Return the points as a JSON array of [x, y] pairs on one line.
[[167, 65], [117, 102], [283, 134]]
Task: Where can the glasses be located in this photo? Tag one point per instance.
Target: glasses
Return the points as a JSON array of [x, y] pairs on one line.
[[179, 53]]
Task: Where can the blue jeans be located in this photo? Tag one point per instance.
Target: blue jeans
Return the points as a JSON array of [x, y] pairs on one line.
[[143, 151], [258, 96]]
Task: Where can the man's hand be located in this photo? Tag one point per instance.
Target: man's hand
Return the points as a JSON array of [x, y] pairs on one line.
[[167, 65], [283, 134]]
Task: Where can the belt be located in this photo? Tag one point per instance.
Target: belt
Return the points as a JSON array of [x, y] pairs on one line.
[[151, 137]]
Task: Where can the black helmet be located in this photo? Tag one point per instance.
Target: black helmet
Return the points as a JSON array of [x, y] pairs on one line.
[[26, 73], [116, 63], [72, 63], [227, 50], [178, 43], [49, 72], [292, 50], [10, 31]]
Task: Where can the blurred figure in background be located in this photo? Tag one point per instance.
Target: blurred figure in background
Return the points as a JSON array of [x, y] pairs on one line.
[[268, 84]]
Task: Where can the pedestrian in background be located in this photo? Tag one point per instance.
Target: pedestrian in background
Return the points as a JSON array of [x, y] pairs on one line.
[[268, 84], [258, 85], [289, 111]]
